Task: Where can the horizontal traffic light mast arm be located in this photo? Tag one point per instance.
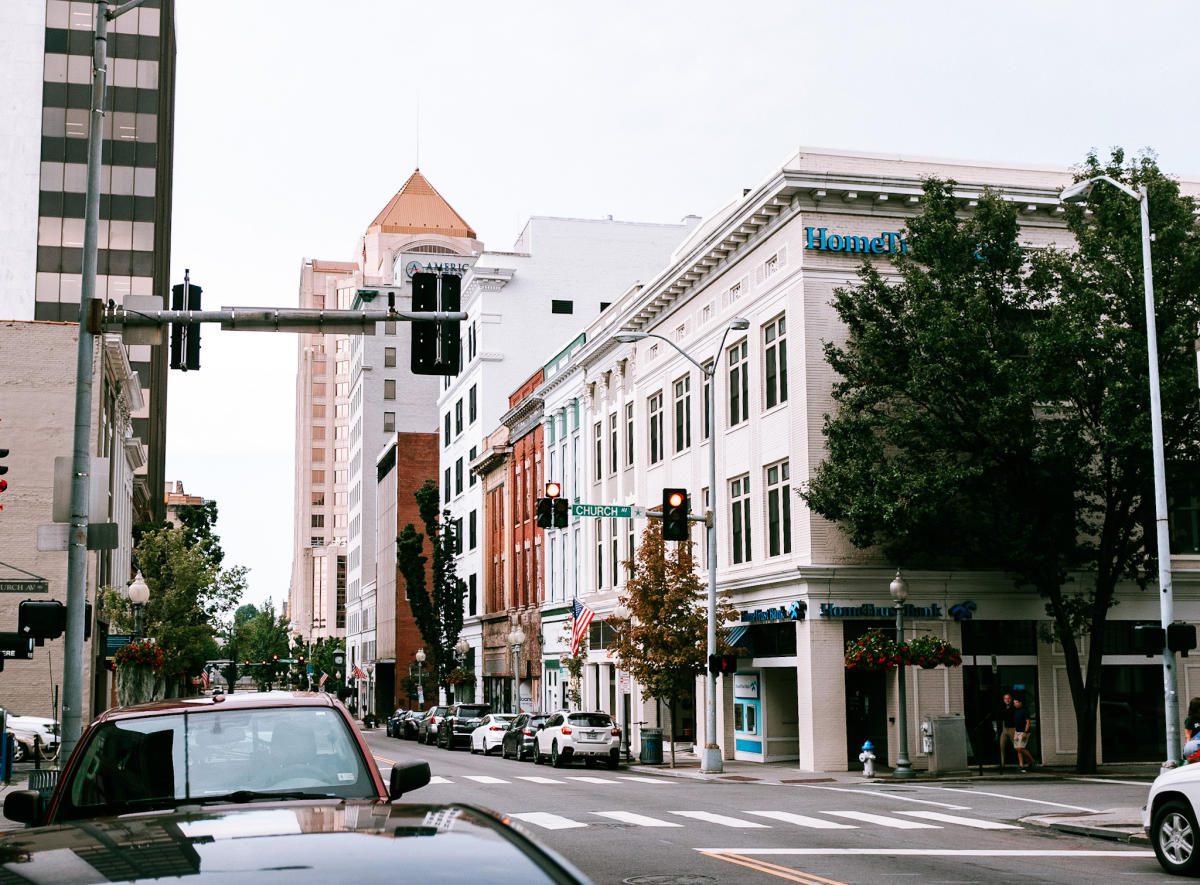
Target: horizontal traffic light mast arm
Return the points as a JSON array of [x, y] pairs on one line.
[[692, 517], [276, 319]]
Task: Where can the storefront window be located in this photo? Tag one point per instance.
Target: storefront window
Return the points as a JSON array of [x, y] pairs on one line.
[[1184, 510], [999, 638]]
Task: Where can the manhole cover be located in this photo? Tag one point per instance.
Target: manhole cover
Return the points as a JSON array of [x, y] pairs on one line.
[[668, 880]]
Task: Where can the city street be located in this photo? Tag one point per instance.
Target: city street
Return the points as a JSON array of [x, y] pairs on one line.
[[620, 825]]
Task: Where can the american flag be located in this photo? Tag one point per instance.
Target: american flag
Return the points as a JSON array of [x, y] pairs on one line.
[[321, 681], [579, 630], [358, 672], [205, 679]]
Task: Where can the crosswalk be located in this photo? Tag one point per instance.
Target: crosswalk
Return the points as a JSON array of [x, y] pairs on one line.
[[929, 820]]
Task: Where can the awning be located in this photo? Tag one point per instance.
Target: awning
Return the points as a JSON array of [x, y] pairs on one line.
[[733, 635]]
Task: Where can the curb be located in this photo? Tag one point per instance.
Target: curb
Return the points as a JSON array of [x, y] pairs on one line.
[[1113, 834]]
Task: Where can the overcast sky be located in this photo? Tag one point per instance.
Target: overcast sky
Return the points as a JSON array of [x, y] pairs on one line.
[[297, 121]]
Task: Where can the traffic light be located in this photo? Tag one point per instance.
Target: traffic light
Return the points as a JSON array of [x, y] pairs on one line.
[[41, 619], [722, 664], [185, 340], [1181, 638], [559, 507], [675, 506], [545, 512], [435, 346], [3, 470], [562, 513], [1149, 639]]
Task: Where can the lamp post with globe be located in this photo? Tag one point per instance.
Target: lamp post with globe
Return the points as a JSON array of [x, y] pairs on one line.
[[420, 656], [463, 648], [899, 590], [516, 638], [139, 595]]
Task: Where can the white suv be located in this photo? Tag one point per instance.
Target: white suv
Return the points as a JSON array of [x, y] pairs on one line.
[[589, 736], [1170, 819]]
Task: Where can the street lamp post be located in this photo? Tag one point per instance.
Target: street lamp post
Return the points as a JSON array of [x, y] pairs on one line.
[[899, 590], [516, 639], [1078, 193], [139, 595], [420, 656], [462, 647], [623, 613], [710, 760]]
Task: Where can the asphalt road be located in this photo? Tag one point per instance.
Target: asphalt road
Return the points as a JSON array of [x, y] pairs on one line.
[[618, 826]]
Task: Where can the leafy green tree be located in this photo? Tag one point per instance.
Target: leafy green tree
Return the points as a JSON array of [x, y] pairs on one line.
[[992, 404], [664, 643], [438, 606], [258, 636], [322, 652]]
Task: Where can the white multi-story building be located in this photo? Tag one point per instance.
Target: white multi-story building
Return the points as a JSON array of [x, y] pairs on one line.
[[521, 305]]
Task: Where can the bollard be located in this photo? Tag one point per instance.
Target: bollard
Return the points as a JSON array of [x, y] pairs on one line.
[[867, 758], [37, 751]]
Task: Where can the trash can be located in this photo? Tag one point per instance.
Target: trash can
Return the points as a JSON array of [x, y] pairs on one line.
[[651, 746]]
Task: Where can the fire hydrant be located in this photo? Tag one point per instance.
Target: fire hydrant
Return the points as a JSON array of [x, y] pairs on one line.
[[867, 758]]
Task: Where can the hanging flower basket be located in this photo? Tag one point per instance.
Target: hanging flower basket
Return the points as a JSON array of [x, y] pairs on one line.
[[874, 650], [461, 676], [931, 651], [140, 673]]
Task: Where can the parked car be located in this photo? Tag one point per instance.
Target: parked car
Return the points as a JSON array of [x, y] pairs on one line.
[[25, 729], [393, 721], [407, 727], [567, 736], [427, 725], [230, 749], [520, 741], [460, 721], [490, 732], [1169, 817]]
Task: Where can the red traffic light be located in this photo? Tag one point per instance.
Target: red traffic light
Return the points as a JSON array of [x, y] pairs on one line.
[[553, 490], [3, 484], [675, 499]]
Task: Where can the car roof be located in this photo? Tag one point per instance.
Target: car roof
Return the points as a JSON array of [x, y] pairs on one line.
[[235, 700], [345, 841]]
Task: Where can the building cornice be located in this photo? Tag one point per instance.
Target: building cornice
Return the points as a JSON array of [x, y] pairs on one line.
[[532, 406], [490, 460]]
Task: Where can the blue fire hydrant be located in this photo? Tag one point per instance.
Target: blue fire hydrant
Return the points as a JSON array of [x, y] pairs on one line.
[[867, 758]]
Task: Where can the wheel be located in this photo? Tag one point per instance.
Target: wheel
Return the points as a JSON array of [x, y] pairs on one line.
[[474, 751], [503, 750], [1173, 832], [589, 762], [556, 759], [20, 752], [614, 759], [537, 754]]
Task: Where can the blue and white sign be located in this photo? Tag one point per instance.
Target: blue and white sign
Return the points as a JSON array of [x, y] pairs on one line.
[[819, 239], [793, 611], [745, 685], [869, 610]]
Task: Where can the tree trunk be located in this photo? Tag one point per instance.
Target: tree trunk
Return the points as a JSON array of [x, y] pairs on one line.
[[1085, 725], [671, 729]]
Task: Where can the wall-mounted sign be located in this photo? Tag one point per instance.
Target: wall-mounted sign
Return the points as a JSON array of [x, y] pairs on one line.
[[450, 267], [23, 585], [745, 685], [963, 610], [868, 610], [794, 611], [887, 242]]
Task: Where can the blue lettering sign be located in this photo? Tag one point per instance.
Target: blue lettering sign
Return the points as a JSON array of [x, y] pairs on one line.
[[794, 611], [819, 239], [869, 611]]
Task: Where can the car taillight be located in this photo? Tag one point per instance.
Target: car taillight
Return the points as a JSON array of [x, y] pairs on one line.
[[497, 728], [566, 729], [433, 720], [616, 732], [528, 732]]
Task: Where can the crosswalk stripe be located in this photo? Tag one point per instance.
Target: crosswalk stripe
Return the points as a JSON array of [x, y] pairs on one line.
[[726, 821], [640, 820], [438, 779], [963, 821], [547, 820], [593, 780], [539, 780], [486, 779], [803, 820], [657, 781], [894, 823]]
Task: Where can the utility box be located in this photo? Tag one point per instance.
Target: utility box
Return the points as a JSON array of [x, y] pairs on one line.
[[947, 740]]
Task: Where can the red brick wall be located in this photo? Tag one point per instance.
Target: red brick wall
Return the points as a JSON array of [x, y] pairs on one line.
[[416, 462], [525, 480]]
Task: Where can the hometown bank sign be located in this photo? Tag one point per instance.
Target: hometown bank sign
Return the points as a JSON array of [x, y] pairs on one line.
[[887, 243], [869, 610]]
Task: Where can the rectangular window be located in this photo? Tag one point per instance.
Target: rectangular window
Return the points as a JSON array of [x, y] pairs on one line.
[[616, 558], [630, 549], [318, 455], [683, 413], [458, 535], [446, 483], [612, 443], [472, 605], [389, 422], [629, 434], [472, 531], [706, 407], [779, 510], [389, 357], [389, 389], [654, 408], [599, 555], [739, 512], [739, 383], [458, 476], [446, 429], [318, 521], [316, 541], [775, 362], [458, 417], [472, 405], [562, 306], [598, 434], [318, 499], [472, 479]]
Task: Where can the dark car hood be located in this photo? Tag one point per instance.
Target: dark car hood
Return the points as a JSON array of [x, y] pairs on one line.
[[294, 842]]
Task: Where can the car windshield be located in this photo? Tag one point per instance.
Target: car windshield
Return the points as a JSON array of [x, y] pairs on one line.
[[238, 756], [472, 712], [590, 720]]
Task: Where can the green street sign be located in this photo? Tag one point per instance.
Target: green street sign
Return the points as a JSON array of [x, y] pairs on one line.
[[616, 511]]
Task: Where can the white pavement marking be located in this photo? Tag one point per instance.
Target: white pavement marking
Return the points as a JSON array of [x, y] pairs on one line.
[[963, 821], [657, 781], [486, 779], [722, 819], [1109, 780], [883, 793], [538, 780], [880, 820], [593, 780], [640, 820], [802, 820], [547, 821], [930, 852], [1013, 798], [438, 779]]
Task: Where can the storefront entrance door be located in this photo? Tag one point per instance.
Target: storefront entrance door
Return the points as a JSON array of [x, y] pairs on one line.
[[866, 715], [983, 694]]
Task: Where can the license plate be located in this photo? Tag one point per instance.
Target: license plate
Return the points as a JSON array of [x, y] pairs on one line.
[[591, 735]]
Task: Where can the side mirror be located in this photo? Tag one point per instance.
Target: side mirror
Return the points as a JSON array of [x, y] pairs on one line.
[[406, 777], [23, 806]]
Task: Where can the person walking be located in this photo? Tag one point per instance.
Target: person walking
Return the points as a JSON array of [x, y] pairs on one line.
[[1021, 727], [1008, 726]]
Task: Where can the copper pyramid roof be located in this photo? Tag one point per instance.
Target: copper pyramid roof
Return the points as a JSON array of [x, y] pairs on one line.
[[418, 208]]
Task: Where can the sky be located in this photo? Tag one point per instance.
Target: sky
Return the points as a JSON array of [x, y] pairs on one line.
[[296, 122]]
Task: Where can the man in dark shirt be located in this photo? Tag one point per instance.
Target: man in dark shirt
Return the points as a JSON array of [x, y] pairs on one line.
[[1008, 726], [1021, 735]]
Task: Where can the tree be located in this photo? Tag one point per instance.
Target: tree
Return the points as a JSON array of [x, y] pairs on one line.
[[991, 407], [664, 643], [258, 638], [438, 608]]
